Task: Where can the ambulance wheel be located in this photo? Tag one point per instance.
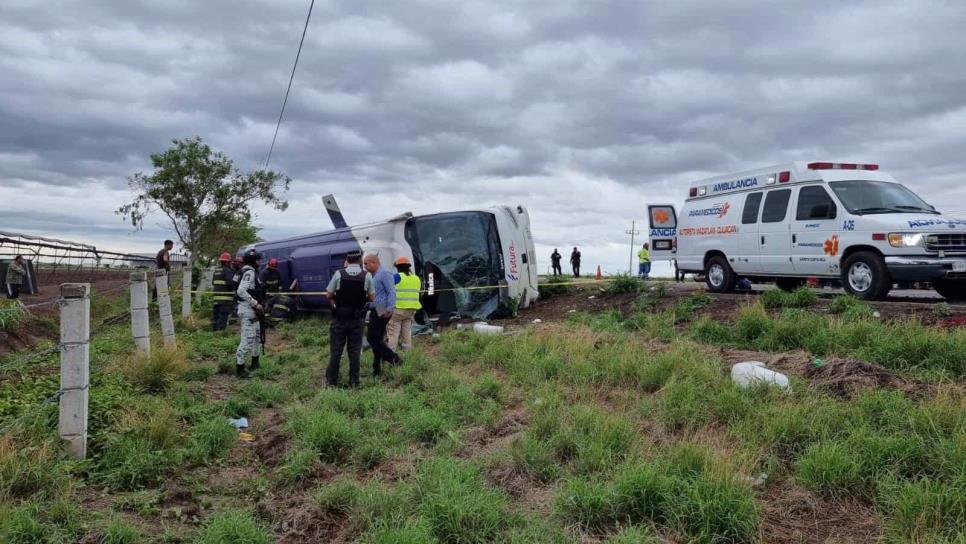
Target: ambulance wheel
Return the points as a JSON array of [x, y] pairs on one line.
[[953, 291], [719, 276], [789, 284], [864, 275]]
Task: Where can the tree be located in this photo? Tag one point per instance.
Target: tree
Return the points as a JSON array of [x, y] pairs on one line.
[[236, 232], [201, 192]]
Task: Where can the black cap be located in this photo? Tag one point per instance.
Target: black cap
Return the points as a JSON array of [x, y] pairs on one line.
[[353, 256], [251, 257]]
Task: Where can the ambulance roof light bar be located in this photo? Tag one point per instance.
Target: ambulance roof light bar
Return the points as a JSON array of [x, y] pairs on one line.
[[841, 166]]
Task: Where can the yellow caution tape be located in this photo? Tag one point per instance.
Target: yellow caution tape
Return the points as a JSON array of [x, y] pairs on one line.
[[474, 288]]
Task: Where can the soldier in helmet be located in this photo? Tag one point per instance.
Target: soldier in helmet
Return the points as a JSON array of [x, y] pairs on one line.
[[250, 298], [224, 297]]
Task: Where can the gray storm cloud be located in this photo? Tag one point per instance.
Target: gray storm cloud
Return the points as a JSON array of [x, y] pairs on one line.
[[582, 111]]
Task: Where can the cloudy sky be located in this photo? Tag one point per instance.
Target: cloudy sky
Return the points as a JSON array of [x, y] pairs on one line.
[[581, 110]]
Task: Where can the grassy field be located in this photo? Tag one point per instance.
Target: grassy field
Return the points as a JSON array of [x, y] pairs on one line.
[[619, 427]]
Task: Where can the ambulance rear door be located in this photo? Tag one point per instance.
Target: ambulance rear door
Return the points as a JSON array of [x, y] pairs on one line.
[[663, 223]]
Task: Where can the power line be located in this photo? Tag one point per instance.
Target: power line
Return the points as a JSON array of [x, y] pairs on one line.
[[289, 89]]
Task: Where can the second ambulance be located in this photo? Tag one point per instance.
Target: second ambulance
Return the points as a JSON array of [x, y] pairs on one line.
[[793, 221]]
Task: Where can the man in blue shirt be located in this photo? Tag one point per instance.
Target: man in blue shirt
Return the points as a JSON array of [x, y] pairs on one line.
[[380, 310]]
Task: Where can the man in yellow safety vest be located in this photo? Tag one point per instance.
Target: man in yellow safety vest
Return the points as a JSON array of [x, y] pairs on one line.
[[644, 261], [408, 286]]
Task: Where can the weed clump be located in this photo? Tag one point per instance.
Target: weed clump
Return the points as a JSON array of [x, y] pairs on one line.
[[211, 439], [233, 528], [553, 286], [156, 372], [26, 471], [458, 506], [802, 297], [623, 284]]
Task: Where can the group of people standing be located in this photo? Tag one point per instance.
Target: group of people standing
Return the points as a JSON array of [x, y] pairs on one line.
[[363, 287], [574, 262]]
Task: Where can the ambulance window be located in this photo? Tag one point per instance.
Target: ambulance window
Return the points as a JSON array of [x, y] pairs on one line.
[[749, 216], [814, 203], [776, 206]]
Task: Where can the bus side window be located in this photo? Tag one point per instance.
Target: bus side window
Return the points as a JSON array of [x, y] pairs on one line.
[[749, 215]]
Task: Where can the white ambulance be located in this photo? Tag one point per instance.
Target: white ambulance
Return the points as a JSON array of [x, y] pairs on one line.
[[794, 221]]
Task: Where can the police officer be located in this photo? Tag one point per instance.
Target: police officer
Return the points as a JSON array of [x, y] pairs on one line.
[[575, 262], [555, 261], [250, 297], [349, 292], [224, 297]]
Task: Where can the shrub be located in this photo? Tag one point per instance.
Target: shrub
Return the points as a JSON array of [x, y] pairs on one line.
[[25, 471], [624, 284], [553, 286], [772, 298], [587, 503], [828, 467], [299, 464], [233, 528], [156, 372], [457, 505], [339, 496], [211, 439], [330, 434]]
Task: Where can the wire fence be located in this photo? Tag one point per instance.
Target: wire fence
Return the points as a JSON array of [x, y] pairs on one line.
[[54, 260]]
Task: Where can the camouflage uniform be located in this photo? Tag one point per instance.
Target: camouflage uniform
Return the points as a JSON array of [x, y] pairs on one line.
[[250, 330]]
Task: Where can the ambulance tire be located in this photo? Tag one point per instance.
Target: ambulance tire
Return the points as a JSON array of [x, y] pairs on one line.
[[951, 290], [719, 276], [864, 275], [789, 284]]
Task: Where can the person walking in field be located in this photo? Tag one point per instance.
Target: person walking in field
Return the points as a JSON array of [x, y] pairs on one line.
[[408, 286], [555, 261], [349, 292], [16, 272], [644, 261], [380, 311], [575, 262], [250, 296], [162, 261]]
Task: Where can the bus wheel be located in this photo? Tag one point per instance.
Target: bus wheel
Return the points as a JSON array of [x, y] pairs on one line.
[[951, 290], [864, 275], [719, 276], [789, 284]]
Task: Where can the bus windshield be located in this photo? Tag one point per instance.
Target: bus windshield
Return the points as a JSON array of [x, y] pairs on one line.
[[867, 197], [462, 249]]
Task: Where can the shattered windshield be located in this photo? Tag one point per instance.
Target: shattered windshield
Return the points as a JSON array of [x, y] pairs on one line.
[[465, 248]]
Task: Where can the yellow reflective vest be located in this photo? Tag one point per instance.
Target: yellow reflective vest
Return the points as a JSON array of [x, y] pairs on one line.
[[407, 292], [644, 255]]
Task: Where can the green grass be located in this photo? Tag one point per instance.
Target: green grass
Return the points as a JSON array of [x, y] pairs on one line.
[[233, 527]]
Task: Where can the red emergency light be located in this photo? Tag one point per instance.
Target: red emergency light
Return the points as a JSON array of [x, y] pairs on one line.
[[783, 177], [693, 192], [841, 166]]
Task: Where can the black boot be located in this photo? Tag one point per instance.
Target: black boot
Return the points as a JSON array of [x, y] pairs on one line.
[[240, 371], [254, 363]]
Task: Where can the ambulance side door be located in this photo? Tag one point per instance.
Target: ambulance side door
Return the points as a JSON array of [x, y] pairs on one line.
[[774, 237], [815, 241], [748, 233], [662, 234]]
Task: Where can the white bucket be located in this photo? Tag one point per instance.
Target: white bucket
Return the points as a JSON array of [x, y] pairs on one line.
[[484, 328], [752, 373]]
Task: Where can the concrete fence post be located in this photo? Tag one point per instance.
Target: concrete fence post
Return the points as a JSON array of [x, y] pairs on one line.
[[140, 325], [75, 332], [164, 307], [186, 293]]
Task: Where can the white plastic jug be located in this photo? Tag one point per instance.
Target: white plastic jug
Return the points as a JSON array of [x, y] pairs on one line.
[[484, 328], [752, 373]]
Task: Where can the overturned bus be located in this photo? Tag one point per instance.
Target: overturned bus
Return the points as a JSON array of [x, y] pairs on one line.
[[473, 263]]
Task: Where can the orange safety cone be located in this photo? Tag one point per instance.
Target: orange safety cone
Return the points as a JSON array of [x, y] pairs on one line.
[[598, 273]]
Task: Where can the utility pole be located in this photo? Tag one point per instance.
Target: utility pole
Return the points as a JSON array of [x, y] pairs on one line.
[[633, 233]]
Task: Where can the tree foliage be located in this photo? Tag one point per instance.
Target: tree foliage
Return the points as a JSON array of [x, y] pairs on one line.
[[202, 193]]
